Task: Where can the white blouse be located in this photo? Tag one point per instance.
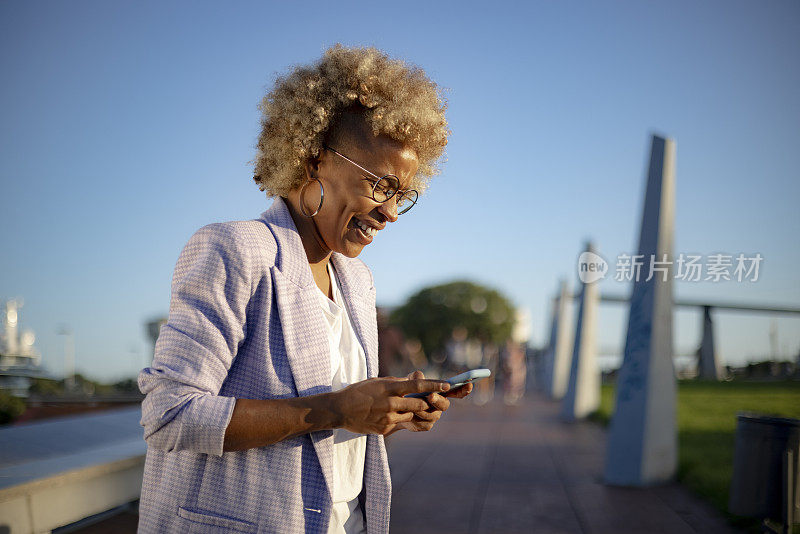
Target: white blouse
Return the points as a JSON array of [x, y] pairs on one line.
[[348, 365]]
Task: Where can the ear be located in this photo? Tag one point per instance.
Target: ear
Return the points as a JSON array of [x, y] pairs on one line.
[[311, 166]]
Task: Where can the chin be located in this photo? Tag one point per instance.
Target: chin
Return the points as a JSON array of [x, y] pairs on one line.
[[352, 252], [350, 249]]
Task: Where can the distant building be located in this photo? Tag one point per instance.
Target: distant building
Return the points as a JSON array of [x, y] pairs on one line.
[[20, 361]]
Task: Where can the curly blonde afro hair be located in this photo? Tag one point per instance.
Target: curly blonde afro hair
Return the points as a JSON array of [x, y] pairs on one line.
[[397, 99]]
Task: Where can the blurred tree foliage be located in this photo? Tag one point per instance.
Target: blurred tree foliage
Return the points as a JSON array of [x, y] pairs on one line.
[[129, 385], [431, 315], [53, 388], [10, 407], [46, 386]]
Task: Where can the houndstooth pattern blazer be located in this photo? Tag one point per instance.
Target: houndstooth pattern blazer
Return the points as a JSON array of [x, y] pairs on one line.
[[245, 322]]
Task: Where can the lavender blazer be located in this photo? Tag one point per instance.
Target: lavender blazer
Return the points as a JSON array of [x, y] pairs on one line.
[[245, 322]]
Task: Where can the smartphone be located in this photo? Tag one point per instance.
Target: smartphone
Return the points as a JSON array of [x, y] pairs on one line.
[[458, 381]]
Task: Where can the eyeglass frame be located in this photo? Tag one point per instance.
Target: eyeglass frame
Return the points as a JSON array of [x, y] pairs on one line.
[[378, 180]]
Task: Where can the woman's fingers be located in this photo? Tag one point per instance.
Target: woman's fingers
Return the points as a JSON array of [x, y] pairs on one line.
[[416, 385], [427, 416], [378, 405], [403, 404], [460, 393], [402, 418], [437, 402], [421, 426]]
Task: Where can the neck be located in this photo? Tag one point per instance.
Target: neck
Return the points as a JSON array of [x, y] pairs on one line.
[[317, 252]]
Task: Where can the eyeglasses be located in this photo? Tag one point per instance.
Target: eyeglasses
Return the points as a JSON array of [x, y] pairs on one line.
[[385, 187]]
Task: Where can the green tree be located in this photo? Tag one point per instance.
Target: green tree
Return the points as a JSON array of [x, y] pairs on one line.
[[431, 314], [11, 407], [127, 385], [47, 386]]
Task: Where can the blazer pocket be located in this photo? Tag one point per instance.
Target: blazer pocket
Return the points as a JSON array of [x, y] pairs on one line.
[[215, 520]]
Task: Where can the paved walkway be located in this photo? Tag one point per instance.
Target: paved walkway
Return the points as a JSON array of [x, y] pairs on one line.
[[517, 469], [507, 470]]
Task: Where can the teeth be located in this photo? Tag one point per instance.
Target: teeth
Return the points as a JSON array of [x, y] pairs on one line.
[[370, 231]]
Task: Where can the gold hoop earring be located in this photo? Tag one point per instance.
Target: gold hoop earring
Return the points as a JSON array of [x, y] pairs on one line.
[[321, 197]]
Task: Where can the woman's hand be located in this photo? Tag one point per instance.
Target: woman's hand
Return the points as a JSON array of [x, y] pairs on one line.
[[378, 405], [438, 403]]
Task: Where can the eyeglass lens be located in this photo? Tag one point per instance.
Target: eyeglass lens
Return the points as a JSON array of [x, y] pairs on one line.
[[387, 187], [406, 201]]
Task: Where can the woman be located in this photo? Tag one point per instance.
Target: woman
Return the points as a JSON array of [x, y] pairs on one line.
[[262, 411]]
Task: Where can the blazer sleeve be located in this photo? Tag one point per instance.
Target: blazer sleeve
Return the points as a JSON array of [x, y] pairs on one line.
[[211, 288]]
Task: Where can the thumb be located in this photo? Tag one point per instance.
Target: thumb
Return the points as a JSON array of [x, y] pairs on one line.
[[415, 374]]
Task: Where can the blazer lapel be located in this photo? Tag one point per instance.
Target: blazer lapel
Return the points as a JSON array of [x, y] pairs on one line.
[[304, 336], [304, 333]]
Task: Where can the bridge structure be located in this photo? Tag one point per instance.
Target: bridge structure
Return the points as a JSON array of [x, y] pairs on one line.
[[709, 364], [642, 440]]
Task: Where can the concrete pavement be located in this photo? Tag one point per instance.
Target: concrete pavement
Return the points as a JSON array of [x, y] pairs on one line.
[[515, 469]]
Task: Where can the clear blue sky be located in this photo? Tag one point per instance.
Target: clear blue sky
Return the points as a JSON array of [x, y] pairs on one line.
[[127, 126]]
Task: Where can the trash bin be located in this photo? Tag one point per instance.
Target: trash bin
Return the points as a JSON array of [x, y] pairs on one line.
[[765, 468]]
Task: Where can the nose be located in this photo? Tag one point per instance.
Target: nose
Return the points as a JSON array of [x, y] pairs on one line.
[[389, 209]]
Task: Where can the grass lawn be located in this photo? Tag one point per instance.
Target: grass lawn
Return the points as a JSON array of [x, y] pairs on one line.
[[707, 425]]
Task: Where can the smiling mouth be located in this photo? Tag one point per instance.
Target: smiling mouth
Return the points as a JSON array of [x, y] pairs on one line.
[[366, 231]]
